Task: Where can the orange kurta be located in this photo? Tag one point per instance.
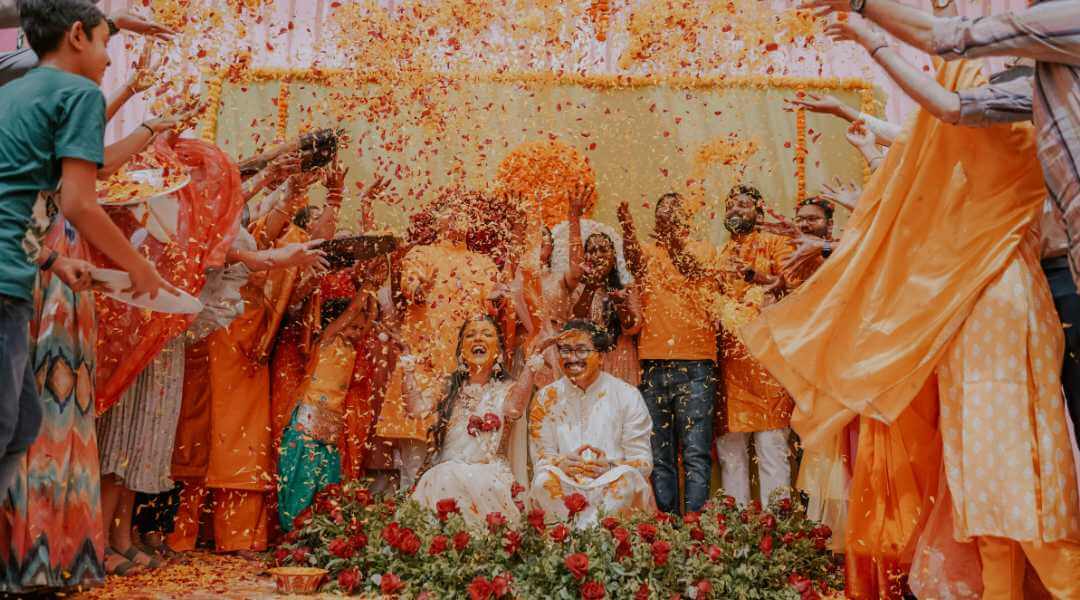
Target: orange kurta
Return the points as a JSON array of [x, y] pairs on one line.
[[754, 400], [227, 444], [938, 223], [460, 283]]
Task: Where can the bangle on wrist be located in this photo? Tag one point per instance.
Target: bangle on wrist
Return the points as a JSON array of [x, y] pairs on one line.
[[148, 128], [873, 53], [45, 266]]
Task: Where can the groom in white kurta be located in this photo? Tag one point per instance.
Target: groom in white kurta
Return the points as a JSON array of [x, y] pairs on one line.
[[589, 432]]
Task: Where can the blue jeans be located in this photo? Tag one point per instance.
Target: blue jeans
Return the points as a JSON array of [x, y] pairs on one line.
[[20, 408], [680, 395], [1067, 303]]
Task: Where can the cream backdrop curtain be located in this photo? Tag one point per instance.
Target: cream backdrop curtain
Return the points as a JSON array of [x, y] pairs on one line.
[[647, 142]]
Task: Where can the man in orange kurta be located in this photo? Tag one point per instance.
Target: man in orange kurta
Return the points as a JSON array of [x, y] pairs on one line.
[[751, 275], [443, 284], [223, 445]]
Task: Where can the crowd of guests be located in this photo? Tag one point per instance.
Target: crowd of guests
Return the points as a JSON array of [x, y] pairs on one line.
[[601, 360]]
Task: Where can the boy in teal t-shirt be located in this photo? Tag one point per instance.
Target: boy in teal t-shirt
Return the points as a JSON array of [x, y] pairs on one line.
[[52, 124]]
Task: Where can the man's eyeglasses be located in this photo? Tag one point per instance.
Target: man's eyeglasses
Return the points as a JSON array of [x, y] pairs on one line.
[[578, 352]]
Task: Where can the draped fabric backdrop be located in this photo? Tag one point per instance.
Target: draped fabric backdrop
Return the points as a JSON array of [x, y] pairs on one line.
[[297, 46]]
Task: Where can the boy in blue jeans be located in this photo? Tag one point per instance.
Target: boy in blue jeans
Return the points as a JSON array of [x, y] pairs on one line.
[[52, 129]]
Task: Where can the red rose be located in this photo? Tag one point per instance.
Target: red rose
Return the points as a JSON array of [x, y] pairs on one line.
[[647, 531], [788, 538], [409, 543], [475, 426], [560, 532], [620, 534], [301, 519], [461, 540], [660, 550], [721, 519], [480, 588], [692, 518], [280, 555], [516, 489], [500, 585], [593, 590], [821, 543], [729, 502], [446, 507], [697, 534], [390, 505], [495, 521], [721, 530], [623, 550], [348, 579], [391, 534], [520, 505], [662, 517], [391, 584], [536, 519], [491, 422], [578, 565], [765, 545], [704, 588], [292, 536], [785, 506], [511, 542], [341, 548], [768, 522], [821, 532], [715, 553], [439, 544], [755, 506], [744, 516], [575, 503], [300, 555], [642, 592], [362, 497], [610, 523], [358, 541]]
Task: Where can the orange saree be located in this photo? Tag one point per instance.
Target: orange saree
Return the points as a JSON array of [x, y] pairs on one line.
[[938, 222]]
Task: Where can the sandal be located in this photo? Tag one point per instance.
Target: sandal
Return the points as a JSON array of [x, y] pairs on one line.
[[133, 552], [166, 553], [124, 568]]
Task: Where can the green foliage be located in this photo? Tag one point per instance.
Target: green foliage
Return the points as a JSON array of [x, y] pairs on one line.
[[393, 546]]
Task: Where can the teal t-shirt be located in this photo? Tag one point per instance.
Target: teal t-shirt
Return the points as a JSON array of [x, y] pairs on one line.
[[45, 116]]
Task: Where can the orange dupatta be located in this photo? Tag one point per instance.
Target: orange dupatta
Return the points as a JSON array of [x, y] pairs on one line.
[[935, 224]]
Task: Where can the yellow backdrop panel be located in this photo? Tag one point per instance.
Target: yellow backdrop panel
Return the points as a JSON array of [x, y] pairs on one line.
[[641, 140]]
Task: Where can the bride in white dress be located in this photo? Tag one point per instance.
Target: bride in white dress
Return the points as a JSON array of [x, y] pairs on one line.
[[468, 459]]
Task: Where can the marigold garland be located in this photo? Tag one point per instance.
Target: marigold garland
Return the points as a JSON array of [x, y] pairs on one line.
[[800, 150], [282, 111], [213, 106]]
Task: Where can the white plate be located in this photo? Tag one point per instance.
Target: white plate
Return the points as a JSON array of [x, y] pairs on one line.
[[117, 281], [153, 177]]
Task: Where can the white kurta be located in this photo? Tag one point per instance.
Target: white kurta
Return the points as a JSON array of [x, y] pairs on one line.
[[473, 469], [611, 416]]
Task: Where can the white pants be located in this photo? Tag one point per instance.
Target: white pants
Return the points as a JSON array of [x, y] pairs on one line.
[[774, 468]]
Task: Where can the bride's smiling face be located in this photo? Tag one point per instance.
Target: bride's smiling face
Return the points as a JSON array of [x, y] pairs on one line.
[[479, 345]]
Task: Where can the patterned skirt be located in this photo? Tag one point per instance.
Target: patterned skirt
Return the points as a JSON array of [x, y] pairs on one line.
[[136, 435], [50, 524]]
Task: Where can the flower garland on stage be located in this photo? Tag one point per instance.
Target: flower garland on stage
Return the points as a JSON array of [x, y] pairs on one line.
[[401, 549]]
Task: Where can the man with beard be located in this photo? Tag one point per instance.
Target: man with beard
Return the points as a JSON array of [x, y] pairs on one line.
[[751, 276], [677, 348], [814, 218], [589, 433]]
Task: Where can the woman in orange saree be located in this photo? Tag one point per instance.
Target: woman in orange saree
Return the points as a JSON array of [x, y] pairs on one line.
[[941, 221]]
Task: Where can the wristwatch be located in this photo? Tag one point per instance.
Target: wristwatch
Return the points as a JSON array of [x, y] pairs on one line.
[[938, 4], [858, 5], [826, 250]]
